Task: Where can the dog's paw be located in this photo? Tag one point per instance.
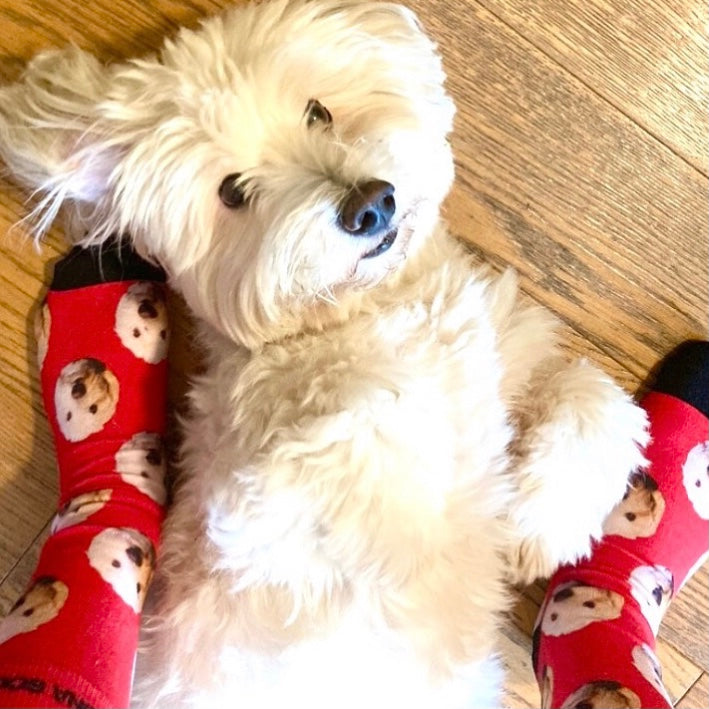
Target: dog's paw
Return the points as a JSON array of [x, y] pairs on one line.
[[583, 438]]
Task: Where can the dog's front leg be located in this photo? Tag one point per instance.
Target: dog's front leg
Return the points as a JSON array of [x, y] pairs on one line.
[[581, 436]]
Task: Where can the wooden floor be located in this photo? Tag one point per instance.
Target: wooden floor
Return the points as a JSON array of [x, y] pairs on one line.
[[582, 148]]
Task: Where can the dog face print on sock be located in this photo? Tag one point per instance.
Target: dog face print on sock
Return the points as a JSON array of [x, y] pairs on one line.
[[639, 513], [649, 667], [141, 321], [85, 398], [125, 559], [40, 604], [602, 695], [547, 688], [652, 587], [141, 462], [42, 326], [574, 606], [695, 474], [80, 508]]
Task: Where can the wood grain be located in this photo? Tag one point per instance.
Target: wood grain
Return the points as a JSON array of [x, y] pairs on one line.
[[27, 467], [581, 143], [605, 223], [15, 581], [698, 695], [686, 624], [652, 66]]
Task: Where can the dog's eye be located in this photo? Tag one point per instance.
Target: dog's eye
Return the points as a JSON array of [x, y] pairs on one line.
[[231, 191], [316, 113]]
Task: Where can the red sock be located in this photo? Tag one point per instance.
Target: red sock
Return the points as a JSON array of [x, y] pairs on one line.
[[70, 640], [595, 635]]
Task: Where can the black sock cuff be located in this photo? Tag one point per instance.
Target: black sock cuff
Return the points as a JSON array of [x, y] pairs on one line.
[[103, 263], [684, 374]]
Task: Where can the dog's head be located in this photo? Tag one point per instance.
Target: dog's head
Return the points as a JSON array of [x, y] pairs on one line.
[[85, 398], [652, 587], [37, 606], [603, 693], [282, 156], [141, 462], [125, 559], [141, 321], [695, 475], [640, 511], [574, 606]]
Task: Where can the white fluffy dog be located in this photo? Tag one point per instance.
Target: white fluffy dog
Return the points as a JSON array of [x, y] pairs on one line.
[[384, 437]]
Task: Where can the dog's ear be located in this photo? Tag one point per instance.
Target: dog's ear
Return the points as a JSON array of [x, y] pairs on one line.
[[49, 137]]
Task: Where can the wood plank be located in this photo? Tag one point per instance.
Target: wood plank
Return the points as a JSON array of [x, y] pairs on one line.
[[686, 625], [607, 226], [651, 66], [573, 344], [15, 583], [111, 30], [698, 696], [520, 688], [27, 466], [678, 673]]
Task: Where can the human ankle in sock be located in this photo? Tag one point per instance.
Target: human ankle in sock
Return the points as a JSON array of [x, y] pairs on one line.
[[102, 346], [595, 634]]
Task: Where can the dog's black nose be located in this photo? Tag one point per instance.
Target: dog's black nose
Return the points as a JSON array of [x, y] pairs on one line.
[[368, 208]]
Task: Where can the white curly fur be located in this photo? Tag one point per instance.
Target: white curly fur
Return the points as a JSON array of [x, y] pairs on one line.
[[378, 445]]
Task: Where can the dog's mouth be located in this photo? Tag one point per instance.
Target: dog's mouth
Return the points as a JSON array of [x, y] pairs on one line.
[[384, 245]]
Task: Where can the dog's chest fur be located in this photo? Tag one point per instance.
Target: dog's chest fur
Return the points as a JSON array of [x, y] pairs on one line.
[[403, 396]]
